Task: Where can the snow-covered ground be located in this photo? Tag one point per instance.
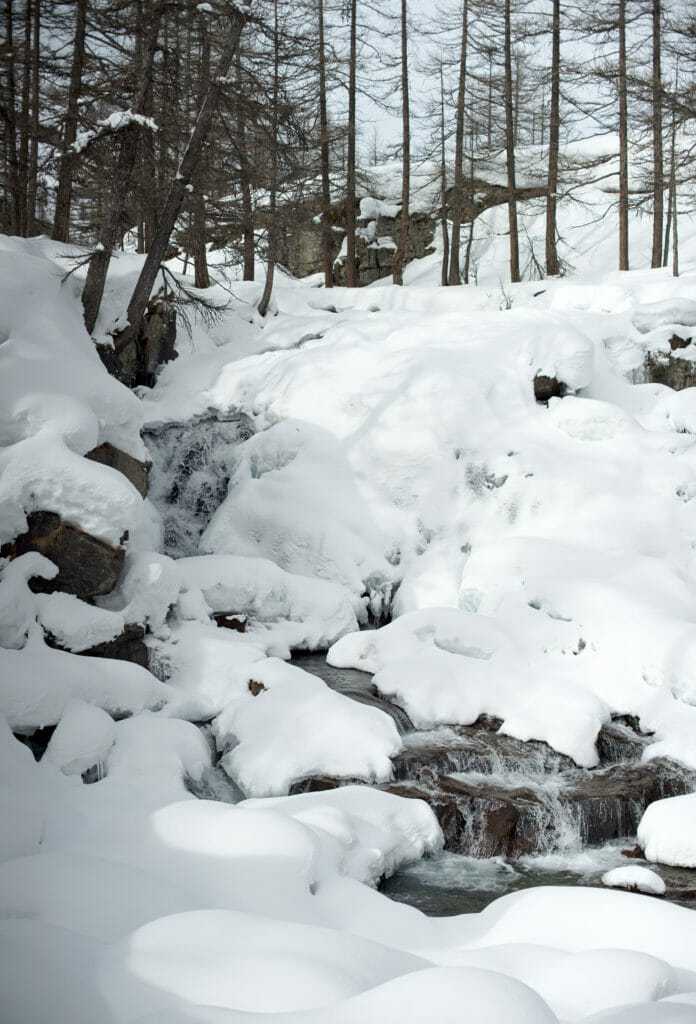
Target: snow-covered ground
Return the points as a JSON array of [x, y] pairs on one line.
[[540, 562]]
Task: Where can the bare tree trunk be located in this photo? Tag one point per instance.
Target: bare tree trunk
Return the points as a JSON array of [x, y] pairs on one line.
[[61, 222], [658, 171], [200, 259], [510, 151], [458, 190], [675, 236], [351, 279], [34, 123], [623, 141], [398, 266], [177, 191], [470, 235], [248, 246], [326, 234], [272, 222], [10, 118], [552, 265], [23, 156], [99, 263], [443, 186]]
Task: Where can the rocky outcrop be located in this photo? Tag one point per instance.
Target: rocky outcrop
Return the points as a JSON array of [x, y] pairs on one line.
[[546, 388], [129, 645], [138, 362], [133, 469], [87, 567], [677, 372]]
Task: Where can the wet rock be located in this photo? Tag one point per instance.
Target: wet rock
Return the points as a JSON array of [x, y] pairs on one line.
[[674, 371], [133, 469], [617, 742], [231, 620], [87, 567], [476, 749], [129, 645], [400, 718], [137, 362], [548, 387], [320, 784]]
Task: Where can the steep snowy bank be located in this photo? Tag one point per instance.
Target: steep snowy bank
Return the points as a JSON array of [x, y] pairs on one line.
[[544, 558]]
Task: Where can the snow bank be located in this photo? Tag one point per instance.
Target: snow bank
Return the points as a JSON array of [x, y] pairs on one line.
[[296, 727], [37, 683], [667, 831], [635, 878]]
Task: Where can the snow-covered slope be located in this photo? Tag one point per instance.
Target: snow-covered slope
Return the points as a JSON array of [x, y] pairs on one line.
[[540, 565]]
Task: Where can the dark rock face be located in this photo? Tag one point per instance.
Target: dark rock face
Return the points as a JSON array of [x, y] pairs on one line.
[[127, 646], [230, 620], [548, 387], [675, 372], [138, 363], [137, 472], [87, 567], [374, 256]]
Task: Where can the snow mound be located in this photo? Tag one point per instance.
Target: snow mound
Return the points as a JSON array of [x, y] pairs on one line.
[[297, 727], [636, 878], [667, 831]]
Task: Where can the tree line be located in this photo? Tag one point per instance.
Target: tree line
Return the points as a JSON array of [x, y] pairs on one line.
[[172, 123]]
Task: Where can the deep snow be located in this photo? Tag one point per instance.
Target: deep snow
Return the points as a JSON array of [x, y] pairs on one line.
[[544, 560]]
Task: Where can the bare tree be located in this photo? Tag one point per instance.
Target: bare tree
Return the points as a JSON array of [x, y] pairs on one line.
[[552, 265], [398, 266]]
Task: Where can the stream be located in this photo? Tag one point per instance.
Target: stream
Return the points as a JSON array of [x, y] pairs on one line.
[[515, 814]]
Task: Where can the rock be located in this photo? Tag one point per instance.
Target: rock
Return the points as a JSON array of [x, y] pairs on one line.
[[87, 567], [138, 362], [548, 387], [133, 469], [127, 646], [231, 620], [320, 784], [673, 371], [255, 687], [617, 742]]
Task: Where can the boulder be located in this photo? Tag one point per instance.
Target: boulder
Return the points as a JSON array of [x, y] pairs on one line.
[[673, 371], [87, 566], [133, 469], [548, 387], [137, 362], [129, 645]]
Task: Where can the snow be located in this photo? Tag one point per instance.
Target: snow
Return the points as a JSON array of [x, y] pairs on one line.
[[667, 831], [636, 878], [296, 727], [538, 565]]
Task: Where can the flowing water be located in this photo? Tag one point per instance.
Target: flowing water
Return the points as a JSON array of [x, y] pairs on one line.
[[516, 814]]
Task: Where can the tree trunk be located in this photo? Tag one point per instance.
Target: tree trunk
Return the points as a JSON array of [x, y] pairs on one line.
[[510, 151], [148, 275], [443, 186], [658, 171], [34, 123], [552, 265], [398, 267], [200, 258], [272, 222], [351, 279], [10, 118], [61, 222], [458, 190], [623, 141], [99, 263], [248, 245], [470, 235], [23, 156], [326, 234]]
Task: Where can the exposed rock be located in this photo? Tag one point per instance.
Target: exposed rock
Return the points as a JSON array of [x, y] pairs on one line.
[[231, 620], [87, 566], [319, 784], [548, 387], [674, 371], [127, 646], [133, 469], [138, 362], [617, 742], [255, 687]]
